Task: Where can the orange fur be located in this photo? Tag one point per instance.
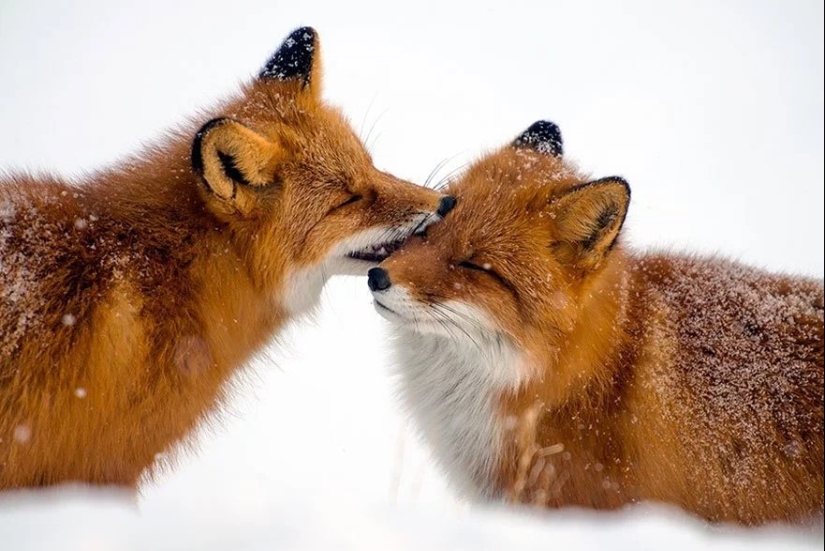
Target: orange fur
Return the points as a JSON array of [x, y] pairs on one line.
[[690, 381], [129, 299]]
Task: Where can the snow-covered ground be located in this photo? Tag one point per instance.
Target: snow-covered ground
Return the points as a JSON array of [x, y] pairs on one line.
[[278, 518], [712, 110]]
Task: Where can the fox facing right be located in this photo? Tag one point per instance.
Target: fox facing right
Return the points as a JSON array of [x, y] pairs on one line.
[[546, 363]]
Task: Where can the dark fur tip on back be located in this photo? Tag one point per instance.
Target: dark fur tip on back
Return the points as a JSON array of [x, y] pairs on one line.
[[293, 60], [542, 136], [197, 143]]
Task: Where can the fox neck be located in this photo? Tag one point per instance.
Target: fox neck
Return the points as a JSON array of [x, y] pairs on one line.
[[471, 398], [452, 387], [579, 386], [231, 302], [584, 356], [238, 316]]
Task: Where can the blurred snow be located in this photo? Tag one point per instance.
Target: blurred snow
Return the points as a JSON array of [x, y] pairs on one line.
[[246, 518], [713, 111]]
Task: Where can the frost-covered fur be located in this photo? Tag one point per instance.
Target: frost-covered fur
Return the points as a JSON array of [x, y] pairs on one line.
[[627, 377]]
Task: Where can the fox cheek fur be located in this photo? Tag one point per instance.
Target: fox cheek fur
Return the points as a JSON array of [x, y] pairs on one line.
[[128, 301]]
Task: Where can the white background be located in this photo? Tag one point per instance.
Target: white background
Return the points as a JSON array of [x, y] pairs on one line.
[[712, 110]]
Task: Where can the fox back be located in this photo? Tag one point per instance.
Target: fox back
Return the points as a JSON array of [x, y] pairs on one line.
[[128, 300], [547, 363]]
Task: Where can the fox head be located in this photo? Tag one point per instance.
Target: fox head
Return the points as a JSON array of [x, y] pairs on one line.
[[517, 258], [287, 177]]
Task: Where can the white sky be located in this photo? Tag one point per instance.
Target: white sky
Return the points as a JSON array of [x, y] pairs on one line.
[[713, 111]]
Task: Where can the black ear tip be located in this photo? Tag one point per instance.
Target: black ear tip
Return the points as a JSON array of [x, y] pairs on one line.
[[611, 180], [293, 60], [301, 36], [545, 128], [542, 136], [615, 180], [621, 181], [305, 33], [197, 154]]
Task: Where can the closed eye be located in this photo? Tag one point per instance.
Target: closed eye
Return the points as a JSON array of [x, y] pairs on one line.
[[470, 266], [352, 199], [488, 269]]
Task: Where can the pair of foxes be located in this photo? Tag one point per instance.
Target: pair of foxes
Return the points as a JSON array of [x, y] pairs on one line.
[[544, 362]]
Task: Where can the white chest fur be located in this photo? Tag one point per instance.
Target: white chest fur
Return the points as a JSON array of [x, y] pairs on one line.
[[451, 388]]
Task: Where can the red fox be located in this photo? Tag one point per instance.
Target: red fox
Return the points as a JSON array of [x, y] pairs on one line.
[[546, 363], [128, 301]]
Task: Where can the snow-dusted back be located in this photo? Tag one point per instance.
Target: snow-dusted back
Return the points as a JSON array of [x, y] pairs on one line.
[[19, 277], [748, 335]]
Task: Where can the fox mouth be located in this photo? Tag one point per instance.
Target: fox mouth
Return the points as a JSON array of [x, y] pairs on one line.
[[377, 244], [377, 253], [381, 308]]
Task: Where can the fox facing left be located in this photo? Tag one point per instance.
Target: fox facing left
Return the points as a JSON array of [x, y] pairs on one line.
[[128, 300]]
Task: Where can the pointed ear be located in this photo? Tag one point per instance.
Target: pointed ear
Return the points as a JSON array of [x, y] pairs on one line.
[[543, 137], [231, 159], [588, 220], [296, 60]]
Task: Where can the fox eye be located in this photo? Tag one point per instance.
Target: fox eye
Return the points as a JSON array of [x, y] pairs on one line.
[[470, 266], [351, 200], [488, 269]]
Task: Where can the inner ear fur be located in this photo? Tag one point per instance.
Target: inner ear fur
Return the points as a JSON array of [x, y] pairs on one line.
[[588, 220], [229, 156]]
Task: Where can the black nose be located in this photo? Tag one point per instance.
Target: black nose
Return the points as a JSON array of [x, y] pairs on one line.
[[378, 279], [445, 206]]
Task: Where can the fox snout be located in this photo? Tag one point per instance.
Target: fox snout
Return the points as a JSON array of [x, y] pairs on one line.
[[445, 205], [397, 192], [378, 279]]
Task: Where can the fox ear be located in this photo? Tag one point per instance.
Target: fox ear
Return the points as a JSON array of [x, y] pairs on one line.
[[542, 136], [588, 219], [231, 159], [296, 60]]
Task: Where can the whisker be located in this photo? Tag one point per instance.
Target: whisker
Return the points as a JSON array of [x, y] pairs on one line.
[[440, 166], [435, 170], [420, 224], [364, 121], [446, 327], [445, 181], [465, 317], [439, 311], [375, 122]]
